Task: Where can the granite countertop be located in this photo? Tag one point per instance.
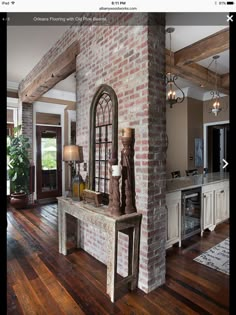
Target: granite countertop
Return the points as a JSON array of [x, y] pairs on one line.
[[187, 182]]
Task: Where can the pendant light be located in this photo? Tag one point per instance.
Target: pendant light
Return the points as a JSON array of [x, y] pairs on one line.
[[171, 86], [216, 108]]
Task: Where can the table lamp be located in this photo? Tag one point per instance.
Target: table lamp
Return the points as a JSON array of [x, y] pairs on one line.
[[72, 154]]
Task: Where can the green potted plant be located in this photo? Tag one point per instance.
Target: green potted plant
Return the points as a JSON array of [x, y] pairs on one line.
[[18, 168]]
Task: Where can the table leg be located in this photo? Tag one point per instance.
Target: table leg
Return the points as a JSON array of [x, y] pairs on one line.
[[111, 263], [130, 233], [59, 226], [135, 258], [63, 248], [78, 234]]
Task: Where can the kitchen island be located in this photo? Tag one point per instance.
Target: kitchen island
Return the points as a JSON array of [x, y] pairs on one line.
[[214, 197]]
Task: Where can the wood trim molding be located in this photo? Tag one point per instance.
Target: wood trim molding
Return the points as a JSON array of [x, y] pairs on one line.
[[12, 94], [70, 105]]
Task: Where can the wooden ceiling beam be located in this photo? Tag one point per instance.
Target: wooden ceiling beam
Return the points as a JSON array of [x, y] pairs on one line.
[[50, 75], [225, 80], [204, 48], [198, 75]]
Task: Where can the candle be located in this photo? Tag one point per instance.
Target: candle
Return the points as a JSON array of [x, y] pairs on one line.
[[116, 171], [171, 95], [216, 104], [127, 132]]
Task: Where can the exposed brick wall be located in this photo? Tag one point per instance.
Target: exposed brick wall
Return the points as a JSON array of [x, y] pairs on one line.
[[155, 227], [128, 58], [27, 130], [27, 125]]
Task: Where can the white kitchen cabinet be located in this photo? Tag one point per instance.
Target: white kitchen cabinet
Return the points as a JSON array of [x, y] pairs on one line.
[[207, 207], [221, 202], [227, 212], [215, 204], [173, 203], [214, 209]]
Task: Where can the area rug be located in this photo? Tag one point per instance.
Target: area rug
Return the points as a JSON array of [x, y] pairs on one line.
[[216, 257]]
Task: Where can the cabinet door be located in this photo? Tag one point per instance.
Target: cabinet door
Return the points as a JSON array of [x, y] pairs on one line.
[[227, 212], [208, 209], [173, 202], [225, 209], [220, 205]]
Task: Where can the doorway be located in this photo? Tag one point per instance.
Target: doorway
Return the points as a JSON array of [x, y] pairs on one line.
[[218, 148], [10, 132], [48, 162]]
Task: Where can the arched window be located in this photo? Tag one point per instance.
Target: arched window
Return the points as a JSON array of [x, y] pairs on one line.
[[103, 138]]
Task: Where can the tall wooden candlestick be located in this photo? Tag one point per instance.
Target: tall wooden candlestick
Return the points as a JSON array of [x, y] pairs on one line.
[[112, 161], [116, 209], [128, 186]]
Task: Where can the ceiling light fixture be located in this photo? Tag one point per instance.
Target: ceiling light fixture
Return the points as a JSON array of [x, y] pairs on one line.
[[171, 86], [216, 108]]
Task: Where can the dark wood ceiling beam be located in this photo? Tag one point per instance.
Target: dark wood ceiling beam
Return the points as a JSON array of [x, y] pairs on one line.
[[198, 75], [204, 48], [225, 80], [50, 75]]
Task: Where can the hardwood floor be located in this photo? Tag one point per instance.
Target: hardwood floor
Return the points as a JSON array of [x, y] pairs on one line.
[[42, 281]]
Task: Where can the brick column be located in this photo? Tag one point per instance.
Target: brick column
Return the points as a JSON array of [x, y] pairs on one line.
[[152, 257], [27, 130], [27, 125], [130, 59]]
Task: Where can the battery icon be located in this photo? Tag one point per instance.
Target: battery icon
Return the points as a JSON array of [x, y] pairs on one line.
[[230, 2]]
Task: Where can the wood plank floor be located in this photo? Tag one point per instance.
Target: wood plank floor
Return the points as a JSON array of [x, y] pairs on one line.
[[42, 281]]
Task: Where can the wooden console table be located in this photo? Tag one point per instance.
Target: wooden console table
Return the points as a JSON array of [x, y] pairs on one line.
[[100, 217]]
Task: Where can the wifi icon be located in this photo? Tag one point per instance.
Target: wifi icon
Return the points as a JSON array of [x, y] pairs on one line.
[[13, 2]]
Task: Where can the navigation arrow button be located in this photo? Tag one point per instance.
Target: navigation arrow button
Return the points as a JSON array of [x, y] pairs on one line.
[[226, 163]]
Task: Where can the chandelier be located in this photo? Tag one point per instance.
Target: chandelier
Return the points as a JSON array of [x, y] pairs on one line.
[[170, 78], [216, 108]]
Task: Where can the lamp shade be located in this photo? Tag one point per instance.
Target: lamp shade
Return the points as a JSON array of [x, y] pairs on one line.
[[72, 153]]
